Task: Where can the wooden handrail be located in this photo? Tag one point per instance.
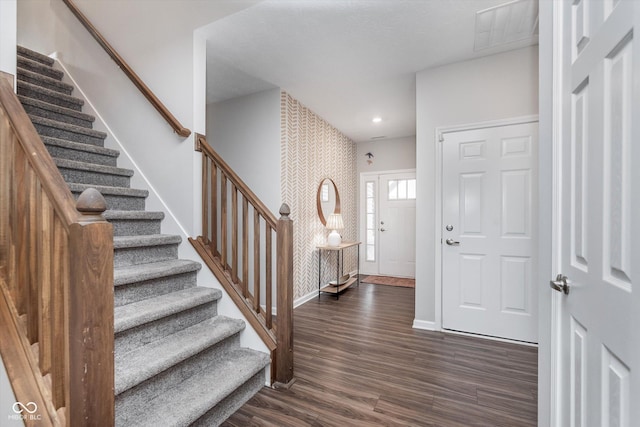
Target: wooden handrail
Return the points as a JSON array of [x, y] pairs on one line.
[[39, 157], [232, 266], [56, 282], [203, 146], [135, 79]]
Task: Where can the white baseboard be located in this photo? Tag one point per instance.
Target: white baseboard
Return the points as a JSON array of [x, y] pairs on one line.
[[489, 337], [299, 301], [424, 324]]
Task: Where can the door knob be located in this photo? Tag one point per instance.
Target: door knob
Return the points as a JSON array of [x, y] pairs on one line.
[[560, 284], [452, 242], [383, 229]]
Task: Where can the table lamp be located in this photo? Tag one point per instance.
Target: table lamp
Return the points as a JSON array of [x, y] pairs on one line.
[[334, 223]]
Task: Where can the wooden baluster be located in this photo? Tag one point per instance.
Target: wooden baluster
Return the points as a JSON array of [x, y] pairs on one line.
[[267, 279], [223, 221], [245, 245], [256, 260], [90, 325], [11, 146], [21, 236], [6, 178], [234, 234], [44, 257], [205, 201], [214, 209], [284, 319], [60, 277], [32, 230]]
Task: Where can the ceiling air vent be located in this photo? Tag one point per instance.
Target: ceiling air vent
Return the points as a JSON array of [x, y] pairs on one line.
[[506, 23]]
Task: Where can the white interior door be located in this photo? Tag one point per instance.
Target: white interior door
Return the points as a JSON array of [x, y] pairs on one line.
[[397, 219], [598, 214], [489, 231]]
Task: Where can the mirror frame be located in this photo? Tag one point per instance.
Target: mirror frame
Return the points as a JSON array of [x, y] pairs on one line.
[[336, 210]]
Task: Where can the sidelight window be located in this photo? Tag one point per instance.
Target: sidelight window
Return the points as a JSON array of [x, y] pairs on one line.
[[370, 238]]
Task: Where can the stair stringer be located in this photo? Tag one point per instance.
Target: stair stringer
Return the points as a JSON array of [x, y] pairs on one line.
[[249, 338]]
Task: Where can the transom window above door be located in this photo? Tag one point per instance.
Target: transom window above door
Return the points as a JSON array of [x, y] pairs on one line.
[[401, 189]]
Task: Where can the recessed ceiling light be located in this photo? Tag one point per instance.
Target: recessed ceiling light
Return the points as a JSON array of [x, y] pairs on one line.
[[377, 119]]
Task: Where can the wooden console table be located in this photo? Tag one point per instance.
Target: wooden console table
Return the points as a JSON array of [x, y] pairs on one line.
[[342, 282]]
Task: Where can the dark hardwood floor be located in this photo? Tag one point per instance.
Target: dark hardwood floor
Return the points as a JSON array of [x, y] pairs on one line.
[[358, 362]]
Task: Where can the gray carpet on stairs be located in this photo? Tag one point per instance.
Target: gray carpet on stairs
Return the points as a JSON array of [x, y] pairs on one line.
[[177, 361]]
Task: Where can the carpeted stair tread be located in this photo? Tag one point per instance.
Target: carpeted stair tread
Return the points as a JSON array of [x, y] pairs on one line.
[[49, 95], [92, 167], [38, 67], [34, 56], [56, 109], [139, 365], [44, 81], [121, 242], [107, 190], [132, 215], [194, 397], [67, 127], [79, 146], [140, 312], [154, 270]]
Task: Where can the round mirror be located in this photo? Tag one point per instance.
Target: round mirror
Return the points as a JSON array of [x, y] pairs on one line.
[[328, 199]]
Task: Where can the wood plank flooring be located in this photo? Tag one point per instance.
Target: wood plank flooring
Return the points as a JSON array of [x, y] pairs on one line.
[[358, 362]]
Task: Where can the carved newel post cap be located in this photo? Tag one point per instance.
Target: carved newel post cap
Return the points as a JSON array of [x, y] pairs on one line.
[[91, 202], [285, 210]]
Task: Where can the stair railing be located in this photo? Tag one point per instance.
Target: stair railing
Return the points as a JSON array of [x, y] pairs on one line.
[[240, 252], [56, 284], [128, 71]]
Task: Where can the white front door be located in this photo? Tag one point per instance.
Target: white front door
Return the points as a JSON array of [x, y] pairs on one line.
[[397, 224], [489, 231], [597, 348]]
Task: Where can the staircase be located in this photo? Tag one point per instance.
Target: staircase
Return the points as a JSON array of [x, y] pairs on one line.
[[177, 362]]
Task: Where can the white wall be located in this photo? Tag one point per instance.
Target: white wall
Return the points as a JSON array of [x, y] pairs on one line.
[[8, 36], [489, 88], [157, 40], [389, 154], [245, 131]]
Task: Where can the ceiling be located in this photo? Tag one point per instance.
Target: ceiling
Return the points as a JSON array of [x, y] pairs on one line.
[[352, 60]]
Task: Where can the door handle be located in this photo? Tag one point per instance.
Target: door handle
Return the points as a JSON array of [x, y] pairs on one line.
[[560, 284], [452, 242], [383, 229]]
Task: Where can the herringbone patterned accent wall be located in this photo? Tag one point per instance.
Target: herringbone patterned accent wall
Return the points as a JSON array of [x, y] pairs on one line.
[[312, 150]]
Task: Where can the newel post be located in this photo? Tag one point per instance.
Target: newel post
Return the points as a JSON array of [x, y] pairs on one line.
[[90, 394], [284, 318]]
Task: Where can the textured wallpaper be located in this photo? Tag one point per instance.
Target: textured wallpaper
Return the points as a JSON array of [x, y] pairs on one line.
[[312, 150]]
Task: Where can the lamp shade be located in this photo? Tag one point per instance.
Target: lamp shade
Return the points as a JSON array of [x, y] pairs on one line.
[[334, 222]]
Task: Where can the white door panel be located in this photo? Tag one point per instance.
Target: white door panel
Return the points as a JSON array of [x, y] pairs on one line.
[[599, 210], [397, 234], [489, 188]]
